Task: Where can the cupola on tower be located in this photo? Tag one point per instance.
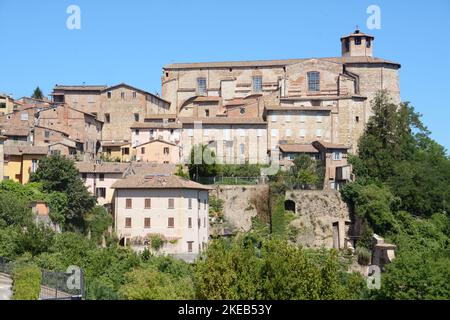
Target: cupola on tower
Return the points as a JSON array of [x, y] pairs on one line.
[[357, 44]]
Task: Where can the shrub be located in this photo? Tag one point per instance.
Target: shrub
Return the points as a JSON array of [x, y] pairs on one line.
[[364, 256], [26, 283], [156, 241]]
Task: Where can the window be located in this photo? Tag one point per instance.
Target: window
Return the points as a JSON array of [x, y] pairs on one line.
[[206, 112], [147, 223], [128, 203], [242, 111], [127, 222], [198, 202], [2, 105], [122, 95], [357, 41], [288, 118], [136, 117], [368, 42], [170, 222], [24, 116], [134, 94], [337, 155], [34, 164], [107, 118], [171, 203], [274, 132], [109, 94], [347, 45], [190, 132], [189, 243], [148, 203], [101, 177], [189, 222], [357, 119], [288, 132], [166, 150], [100, 192], [190, 203], [242, 149], [205, 132], [302, 133], [313, 81], [274, 118], [242, 132], [84, 176], [47, 134], [226, 134], [142, 150], [136, 132], [257, 83], [318, 132], [201, 86], [125, 151]]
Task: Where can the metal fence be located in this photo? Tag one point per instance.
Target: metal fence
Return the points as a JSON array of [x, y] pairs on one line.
[[60, 286], [5, 266], [232, 180], [55, 285]]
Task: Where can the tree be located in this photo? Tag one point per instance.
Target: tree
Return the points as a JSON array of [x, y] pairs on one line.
[[37, 94], [150, 284], [307, 171], [98, 221], [13, 210], [202, 162], [58, 174]]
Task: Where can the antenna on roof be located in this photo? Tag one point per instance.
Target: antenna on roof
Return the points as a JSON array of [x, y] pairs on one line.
[[357, 29]]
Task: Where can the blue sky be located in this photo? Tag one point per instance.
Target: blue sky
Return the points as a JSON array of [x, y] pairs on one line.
[[130, 41]]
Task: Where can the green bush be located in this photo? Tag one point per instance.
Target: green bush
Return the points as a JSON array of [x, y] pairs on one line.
[[364, 256], [26, 283]]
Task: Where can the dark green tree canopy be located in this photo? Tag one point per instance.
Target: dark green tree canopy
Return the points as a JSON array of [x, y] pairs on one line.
[[37, 94]]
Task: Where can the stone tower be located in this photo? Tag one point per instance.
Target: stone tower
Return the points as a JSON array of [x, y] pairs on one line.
[[357, 44]]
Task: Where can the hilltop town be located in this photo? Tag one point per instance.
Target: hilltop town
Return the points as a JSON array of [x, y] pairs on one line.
[[240, 152], [127, 142]]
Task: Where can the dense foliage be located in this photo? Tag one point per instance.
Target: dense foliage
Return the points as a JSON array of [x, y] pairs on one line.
[[58, 174], [26, 282], [401, 191], [249, 267]]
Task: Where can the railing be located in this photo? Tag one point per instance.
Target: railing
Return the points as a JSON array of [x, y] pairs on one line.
[[232, 180], [54, 285]]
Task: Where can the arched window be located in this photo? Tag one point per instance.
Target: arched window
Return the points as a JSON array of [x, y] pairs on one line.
[[313, 81]]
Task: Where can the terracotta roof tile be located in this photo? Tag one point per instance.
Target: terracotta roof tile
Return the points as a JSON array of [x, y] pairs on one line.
[[157, 182], [20, 150]]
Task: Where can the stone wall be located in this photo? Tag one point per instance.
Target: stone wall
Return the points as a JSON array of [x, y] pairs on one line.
[[238, 206], [322, 218]]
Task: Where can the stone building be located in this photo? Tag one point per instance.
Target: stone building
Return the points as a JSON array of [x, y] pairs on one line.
[[117, 106], [6, 103], [21, 161], [165, 206], [82, 127], [301, 100]]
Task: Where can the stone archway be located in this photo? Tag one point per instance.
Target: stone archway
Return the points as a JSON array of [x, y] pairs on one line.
[[289, 205]]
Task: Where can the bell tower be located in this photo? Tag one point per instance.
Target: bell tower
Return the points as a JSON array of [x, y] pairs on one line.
[[357, 44]]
